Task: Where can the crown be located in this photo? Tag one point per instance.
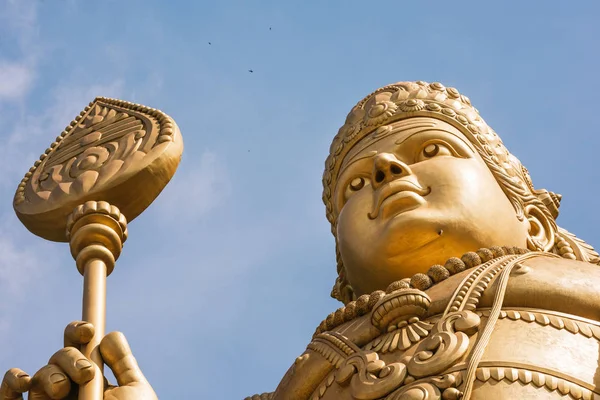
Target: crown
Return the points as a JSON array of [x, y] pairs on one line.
[[420, 99]]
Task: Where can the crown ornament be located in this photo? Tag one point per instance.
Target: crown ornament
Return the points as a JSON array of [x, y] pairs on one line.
[[371, 119], [402, 100]]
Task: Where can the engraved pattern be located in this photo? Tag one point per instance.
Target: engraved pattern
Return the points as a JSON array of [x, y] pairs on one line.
[[369, 377], [399, 305], [539, 379], [431, 388], [333, 347], [102, 142], [448, 342], [574, 326], [474, 285], [401, 338], [504, 269], [570, 246], [428, 388], [320, 391]]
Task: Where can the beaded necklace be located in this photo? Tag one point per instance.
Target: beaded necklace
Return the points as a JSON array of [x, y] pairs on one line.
[[435, 274]]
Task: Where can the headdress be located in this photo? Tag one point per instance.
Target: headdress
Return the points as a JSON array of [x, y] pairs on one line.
[[402, 100]]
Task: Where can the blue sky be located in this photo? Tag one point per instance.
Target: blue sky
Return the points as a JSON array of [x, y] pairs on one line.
[[225, 277]]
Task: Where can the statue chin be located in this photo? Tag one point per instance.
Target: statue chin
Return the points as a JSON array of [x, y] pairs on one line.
[[412, 242], [402, 257]]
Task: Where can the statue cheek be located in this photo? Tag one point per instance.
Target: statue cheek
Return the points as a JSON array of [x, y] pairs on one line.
[[353, 220]]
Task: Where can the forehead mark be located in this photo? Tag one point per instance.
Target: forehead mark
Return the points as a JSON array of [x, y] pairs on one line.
[[374, 137], [397, 127], [414, 125], [459, 137]]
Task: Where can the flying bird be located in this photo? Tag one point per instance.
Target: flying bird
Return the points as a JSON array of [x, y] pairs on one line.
[[251, 71], [209, 43], [269, 28]]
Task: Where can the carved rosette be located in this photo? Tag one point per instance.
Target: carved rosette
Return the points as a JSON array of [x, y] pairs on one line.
[[403, 305], [110, 144], [432, 388], [447, 343], [369, 377]]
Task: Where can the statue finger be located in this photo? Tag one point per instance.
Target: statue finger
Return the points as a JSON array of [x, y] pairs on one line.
[[74, 364], [78, 332], [14, 384], [117, 354], [50, 382]]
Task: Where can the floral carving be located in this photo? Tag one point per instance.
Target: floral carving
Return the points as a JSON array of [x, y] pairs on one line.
[[399, 306], [432, 388], [448, 342], [412, 105], [105, 139], [333, 346], [380, 111], [369, 377], [421, 391], [403, 337]]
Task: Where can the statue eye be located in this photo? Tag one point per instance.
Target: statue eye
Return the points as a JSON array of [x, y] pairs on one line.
[[356, 184], [431, 150], [435, 150]]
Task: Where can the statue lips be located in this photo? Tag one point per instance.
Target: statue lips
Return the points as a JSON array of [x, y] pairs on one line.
[[398, 195]]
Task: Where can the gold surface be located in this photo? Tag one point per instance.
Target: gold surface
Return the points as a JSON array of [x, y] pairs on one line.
[[112, 150], [104, 169], [455, 278], [97, 232]]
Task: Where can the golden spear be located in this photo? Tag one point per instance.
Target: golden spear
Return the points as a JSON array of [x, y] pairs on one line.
[[105, 168]]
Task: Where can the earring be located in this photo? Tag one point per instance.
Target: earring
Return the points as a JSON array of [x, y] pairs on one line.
[[534, 244], [564, 249]]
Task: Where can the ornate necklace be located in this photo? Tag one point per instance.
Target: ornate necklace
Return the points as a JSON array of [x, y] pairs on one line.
[[435, 274]]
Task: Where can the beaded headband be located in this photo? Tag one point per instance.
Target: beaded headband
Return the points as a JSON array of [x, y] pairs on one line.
[[419, 99], [402, 100]]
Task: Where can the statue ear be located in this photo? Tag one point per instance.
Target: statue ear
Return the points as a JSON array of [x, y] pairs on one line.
[[541, 235]]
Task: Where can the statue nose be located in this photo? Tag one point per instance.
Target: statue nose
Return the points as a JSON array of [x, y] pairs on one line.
[[386, 168]]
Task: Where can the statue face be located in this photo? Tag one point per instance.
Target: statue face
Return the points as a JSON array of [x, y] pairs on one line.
[[414, 196]]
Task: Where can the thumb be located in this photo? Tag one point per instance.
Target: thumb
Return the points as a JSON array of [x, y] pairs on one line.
[[116, 353]]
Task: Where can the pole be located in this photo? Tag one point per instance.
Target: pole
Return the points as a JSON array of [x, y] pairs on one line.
[[97, 232], [94, 311]]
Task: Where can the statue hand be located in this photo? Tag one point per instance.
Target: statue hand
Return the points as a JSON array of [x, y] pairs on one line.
[[68, 368]]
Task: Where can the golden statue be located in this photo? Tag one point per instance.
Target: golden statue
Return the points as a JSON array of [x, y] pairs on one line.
[[456, 281]]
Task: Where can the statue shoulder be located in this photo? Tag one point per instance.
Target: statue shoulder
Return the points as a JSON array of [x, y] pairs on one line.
[[388, 327], [543, 282]]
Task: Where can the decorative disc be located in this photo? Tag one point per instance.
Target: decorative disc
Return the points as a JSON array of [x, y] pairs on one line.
[[114, 151]]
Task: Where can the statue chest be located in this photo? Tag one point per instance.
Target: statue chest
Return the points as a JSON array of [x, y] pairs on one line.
[[532, 332]]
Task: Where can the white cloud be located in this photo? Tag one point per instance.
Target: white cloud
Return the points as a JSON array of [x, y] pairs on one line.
[[23, 145], [196, 189], [15, 80], [25, 264], [18, 23], [19, 17], [17, 267]]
